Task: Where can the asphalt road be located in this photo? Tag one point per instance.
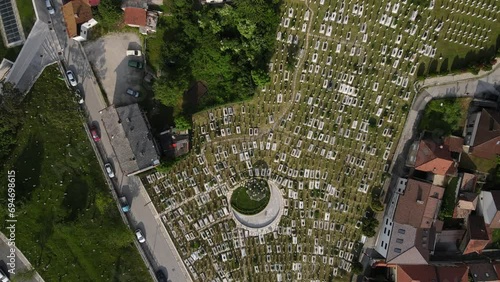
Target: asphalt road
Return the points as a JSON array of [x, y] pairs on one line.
[[21, 266], [142, 214]]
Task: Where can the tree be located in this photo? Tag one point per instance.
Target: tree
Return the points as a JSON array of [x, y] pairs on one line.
[[372, 122], [181, 123], [357, 268], [369, 226]]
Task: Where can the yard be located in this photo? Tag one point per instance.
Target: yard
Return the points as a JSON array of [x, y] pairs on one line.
[[68, 225], [444, 117]]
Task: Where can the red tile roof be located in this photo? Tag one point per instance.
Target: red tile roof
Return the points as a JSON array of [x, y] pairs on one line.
[[135, 16], [453, 273], [477, 235], [94, 2], [418, 206], [76, 12], [487, 137], [410, 273], [433, 158]]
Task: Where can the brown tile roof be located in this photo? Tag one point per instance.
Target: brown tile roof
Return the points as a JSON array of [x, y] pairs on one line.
[[409, 273], [434, 158], [458, 273], [468, 182], [76, 12], [482, 272], [488, 126], [418, 206], [135, 16], [454, 143], [477, 235]]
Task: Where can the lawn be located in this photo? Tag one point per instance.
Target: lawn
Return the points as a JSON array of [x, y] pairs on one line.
[[445, 116], [449, 199], [27, 15], [243, 203], [68, 225]]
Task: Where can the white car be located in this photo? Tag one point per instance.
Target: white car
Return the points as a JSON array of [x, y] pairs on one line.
[[109, 170], [71, 78], [49, 7], [134, 53], [3, 277], [140, 237]]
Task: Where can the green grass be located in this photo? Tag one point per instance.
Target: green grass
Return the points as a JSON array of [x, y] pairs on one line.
[[242, 202], [68, 225], [449, 199], [495, 238], [27, 14], [444, 116], [154, 46]]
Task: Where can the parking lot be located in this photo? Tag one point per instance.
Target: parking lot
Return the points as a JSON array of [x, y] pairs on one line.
[[110, 62]]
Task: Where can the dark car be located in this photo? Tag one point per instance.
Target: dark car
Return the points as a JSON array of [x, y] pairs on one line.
[[135, 64], [161, 276], [133, 93], [95, 135]]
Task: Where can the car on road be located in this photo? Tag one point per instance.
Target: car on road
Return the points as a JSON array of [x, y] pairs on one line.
[[109, 170], [140, 237], [49, 7], [135, 64], [133, 93], [160, 276], [134, 53], [79, 97], [3, 276], [94, 133], [71, 77]]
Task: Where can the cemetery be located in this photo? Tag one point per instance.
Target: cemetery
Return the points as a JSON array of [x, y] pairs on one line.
[[321, 134]]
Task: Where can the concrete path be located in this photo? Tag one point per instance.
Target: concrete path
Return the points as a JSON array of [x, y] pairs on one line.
[[23, 271]]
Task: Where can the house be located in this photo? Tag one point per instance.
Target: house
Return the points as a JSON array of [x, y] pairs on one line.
[[488, 207], [412, 233], [145, 20], [428, 273], [466, 203], [131, 139], [427, 156], [78, 18], [476, 237], [454, 143], [174, 143], [419, 205], [482, 134], [482, 272], [467, 182]]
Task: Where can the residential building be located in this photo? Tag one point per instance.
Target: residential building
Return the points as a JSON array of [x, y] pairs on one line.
[[427, 156], [482, 134], [78, 18], [145, 20], [428, 273], [476, 237], [131, 139], [466, 203], [174, 143], [488, 207], [482, 272]]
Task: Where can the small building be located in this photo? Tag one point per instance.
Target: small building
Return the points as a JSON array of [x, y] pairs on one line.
[[174, 143], [476, 237], [131, 139], [488, 207], [466, 203], [78, 18], [427, 156], [482, 134], [145, 20]]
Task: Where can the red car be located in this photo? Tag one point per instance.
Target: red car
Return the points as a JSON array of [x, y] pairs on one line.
[[95, 135]]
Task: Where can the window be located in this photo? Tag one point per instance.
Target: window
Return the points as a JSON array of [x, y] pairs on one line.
[[401, 231], [397, 250], [399, 240]]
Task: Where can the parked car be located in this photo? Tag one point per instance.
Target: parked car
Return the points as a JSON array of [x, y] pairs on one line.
[[3, 276], [160, 276], [140, 237], [124, 204], [71, 78], [95, 136], [79, 97], [132, 92], [135, 64], [49, 7], [134, 53], [109, 170]]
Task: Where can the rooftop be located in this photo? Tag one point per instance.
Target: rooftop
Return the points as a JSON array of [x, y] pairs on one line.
[[135, 16], [130, 138], [483, 272], [418, 206], [454, 143], [76, 12], [434, 158]]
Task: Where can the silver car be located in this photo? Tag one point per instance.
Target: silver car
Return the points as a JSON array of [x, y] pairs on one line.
[[140, 237], [109, 170], [71, 78], [49, 7]]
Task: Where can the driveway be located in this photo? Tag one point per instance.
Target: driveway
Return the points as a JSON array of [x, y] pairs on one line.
[[110, 62]]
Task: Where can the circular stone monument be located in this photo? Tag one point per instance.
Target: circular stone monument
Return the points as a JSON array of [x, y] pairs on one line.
[[263, 219]]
